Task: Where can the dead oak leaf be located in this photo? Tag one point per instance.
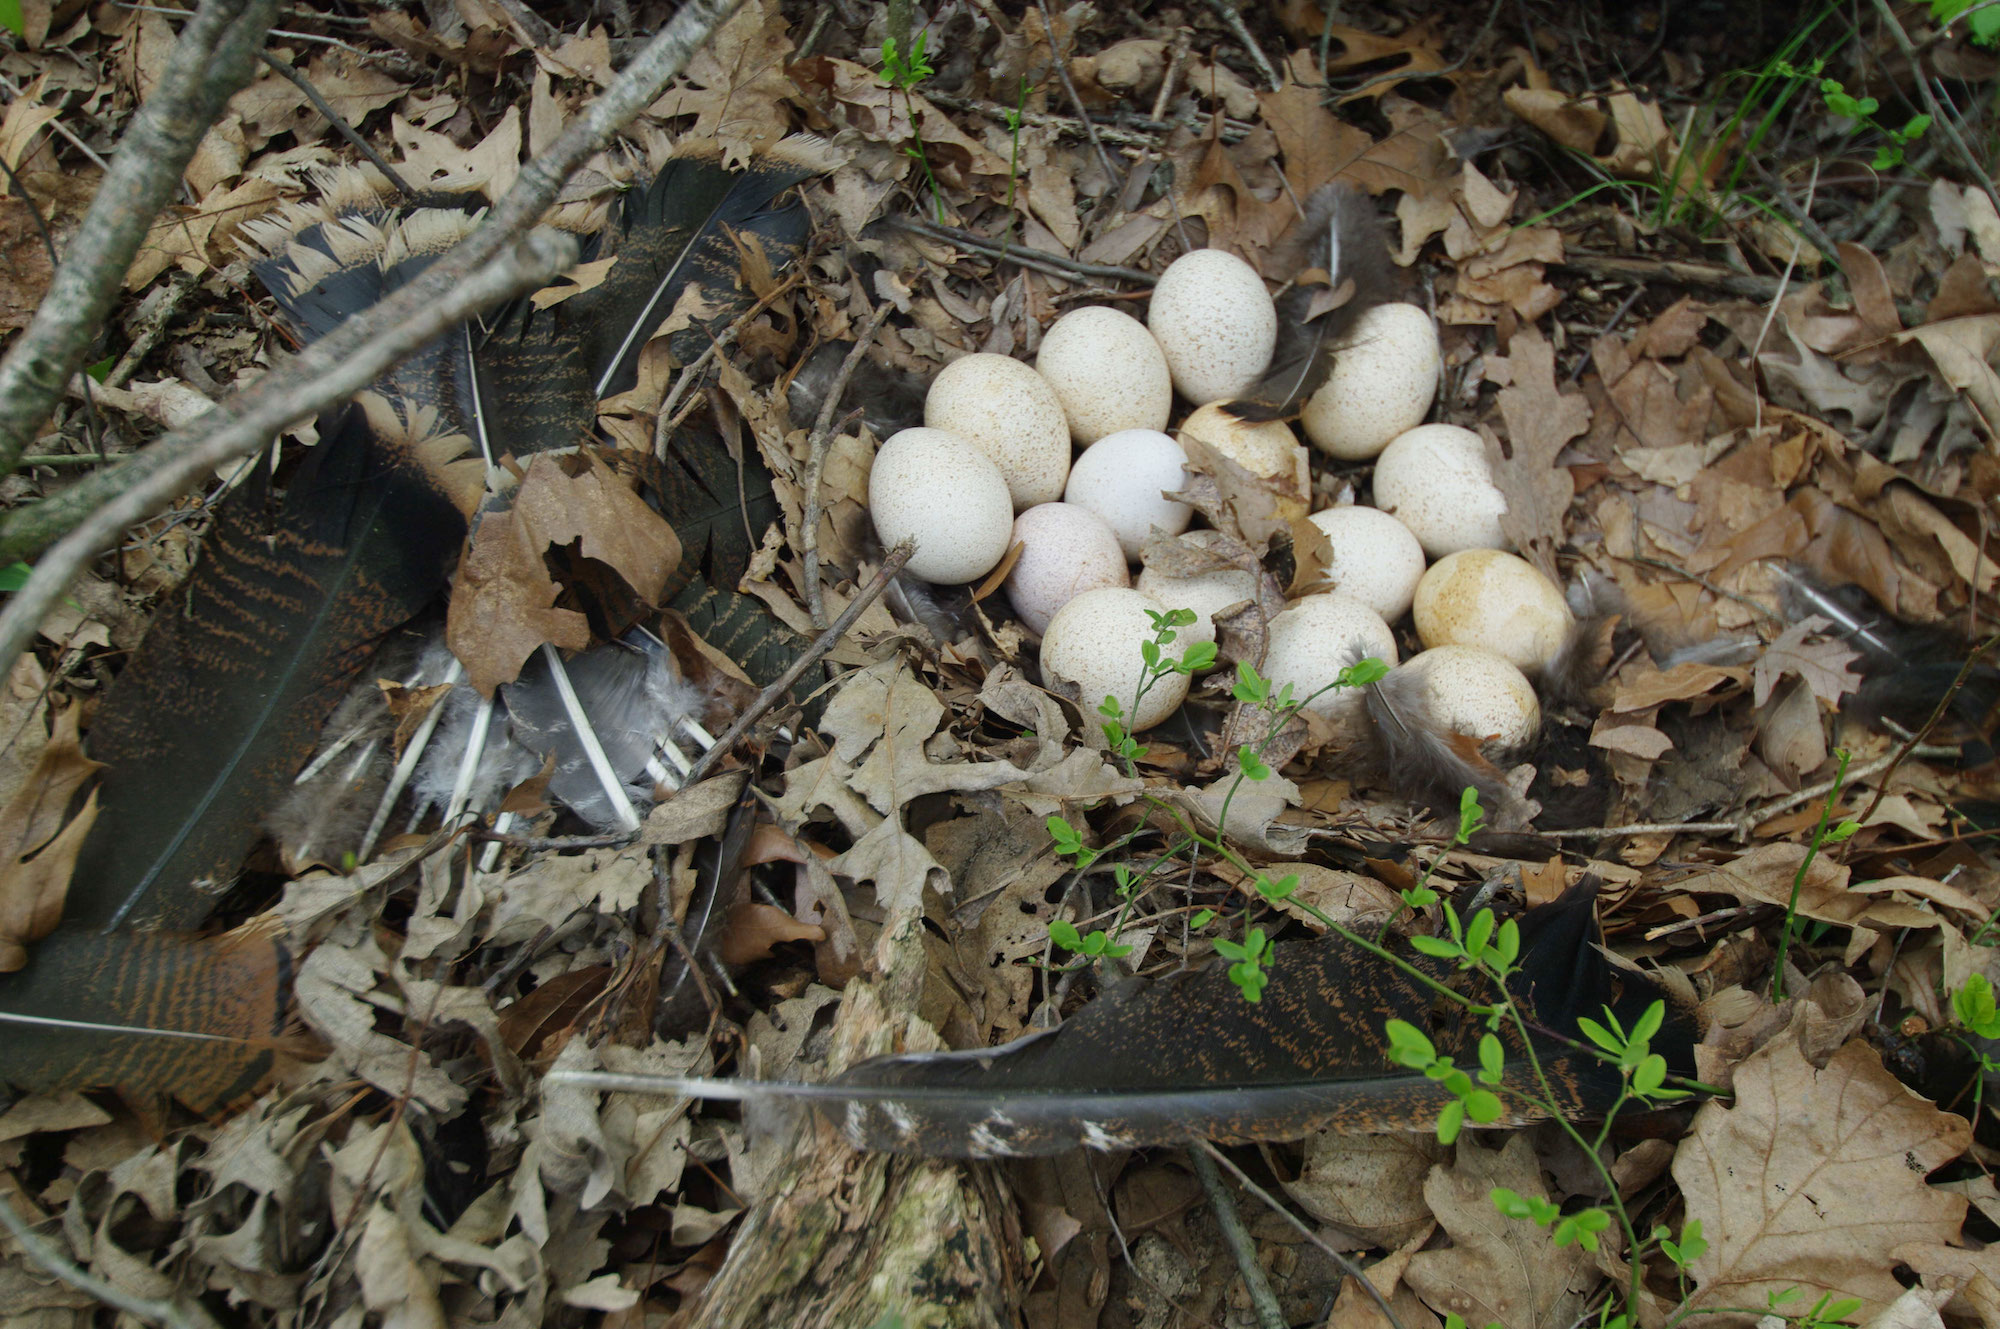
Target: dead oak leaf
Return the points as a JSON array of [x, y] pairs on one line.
[[37, 850], [1540, 420], [1815, 1200], [736, 86], [1822, 664], [1498, 1269], [888, 714]]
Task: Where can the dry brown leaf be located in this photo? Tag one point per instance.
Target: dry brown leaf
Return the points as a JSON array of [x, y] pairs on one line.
[[25, 269], [37, 850], [503, 605], [736, 86], [1540, 420], [754, 928], [1370, 1186], [1823, 665], [1498, 1268], [1815, 1199]]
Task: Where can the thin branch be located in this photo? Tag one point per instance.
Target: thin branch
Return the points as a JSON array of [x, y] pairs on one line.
[[1062, 72], [809, 657], [1262, 1300], [1060, 265], [1939, 115], [214, 58], [1346, 1263], [169, 466], [278, 399], [1233, 20], [822, 438], [42, 1253], [339, 123]]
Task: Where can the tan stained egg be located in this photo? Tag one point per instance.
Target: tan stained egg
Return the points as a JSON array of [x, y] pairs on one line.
[[1434, 479], [1124, 478], [1267, 450], [1012, 414], [1482, 597], [938, 489], [1108, 373], [1215, 322], [1094, 643], [1318, 637], [1382, 383], [1207, 594], [1375, 558], [1474, 692], [1065, 551]]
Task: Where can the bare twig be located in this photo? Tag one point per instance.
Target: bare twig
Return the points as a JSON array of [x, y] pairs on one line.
[[1233, 20], [1062, 72], [1346, 1263], [214, 57], [281, 398], [809, 657], [42, 1253], [169, 466], [663, 418], [1644, 828], [1061, 265], [339, 123], [1262, 1299], [1939, 115], [822, 440]]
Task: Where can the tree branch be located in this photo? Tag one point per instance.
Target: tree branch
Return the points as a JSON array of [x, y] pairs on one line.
[[214, 57]]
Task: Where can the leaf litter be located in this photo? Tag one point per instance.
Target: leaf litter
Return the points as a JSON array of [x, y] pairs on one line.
[[1654, 431]]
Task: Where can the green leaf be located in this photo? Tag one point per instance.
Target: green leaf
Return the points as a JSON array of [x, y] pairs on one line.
[[1281, 889], [1199, 656], [1438, 948], [1483, 1106], [102, 369], [1599, 1035], [1408, 1045], [1492, 1059], [1063, 933], [12, 19], [1251, 764], [1202, 918], [1251, 688], [1065, 835], [1450, 1122], [1510, 1203], [14, 576]]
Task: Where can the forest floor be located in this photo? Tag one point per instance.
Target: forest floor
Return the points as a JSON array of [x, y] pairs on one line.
[[1715, 290]]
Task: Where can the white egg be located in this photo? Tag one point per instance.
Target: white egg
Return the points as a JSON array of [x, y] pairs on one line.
[[1094, 641], [1108, 373], [1434, 479], [1215, 322], [932, 486], [1207, 594], [1270, 450], [1124, 478], [1474, 692], [1375, 558], [1381, 385], [1065, 551], [1012, 414], [1318, 637], [1482, 597]]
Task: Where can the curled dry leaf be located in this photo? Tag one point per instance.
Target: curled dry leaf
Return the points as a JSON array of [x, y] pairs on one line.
[[37, 850], [1816, 1199]]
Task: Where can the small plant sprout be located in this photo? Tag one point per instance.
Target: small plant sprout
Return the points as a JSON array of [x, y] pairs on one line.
[[1823, 834], [1861, 110], [903, 68]]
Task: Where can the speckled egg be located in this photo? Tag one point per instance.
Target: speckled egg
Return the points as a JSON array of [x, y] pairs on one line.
[[1124, 478], [1012, 414], [1477, 693], [1375, 558], [1093, 642], [1215, 322], [1207, 594], [1065, 551], [1317, 638], [936, 488], [1482, 597], [1434, 479], [1269, 449], [1381, 385], [1108, 373]]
